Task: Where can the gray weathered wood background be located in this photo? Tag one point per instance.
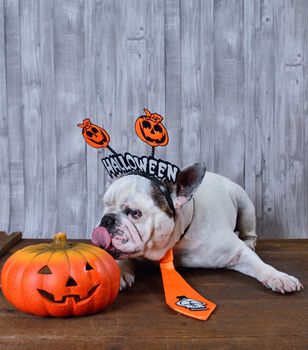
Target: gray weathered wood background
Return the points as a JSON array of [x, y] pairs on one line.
[[230, 77]]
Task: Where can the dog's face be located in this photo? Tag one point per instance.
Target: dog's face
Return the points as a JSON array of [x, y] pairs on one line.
[[137, 220]]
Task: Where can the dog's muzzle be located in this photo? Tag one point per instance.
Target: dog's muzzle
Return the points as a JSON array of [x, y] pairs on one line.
[[119, 237]]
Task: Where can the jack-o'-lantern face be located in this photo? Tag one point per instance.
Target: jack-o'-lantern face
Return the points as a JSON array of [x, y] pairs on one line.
[[94, 135], [78, 291], [60, 279], [151, 130]]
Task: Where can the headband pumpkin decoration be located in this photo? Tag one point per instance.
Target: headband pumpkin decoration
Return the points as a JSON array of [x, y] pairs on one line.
[[94, 135], [179, 295], [151, 130]]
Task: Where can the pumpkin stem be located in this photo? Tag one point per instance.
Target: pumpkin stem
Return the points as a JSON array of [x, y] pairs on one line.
[[60, 240], [147, 112], [85, 123]]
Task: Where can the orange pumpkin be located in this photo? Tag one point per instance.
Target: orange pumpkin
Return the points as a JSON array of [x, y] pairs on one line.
[[60, 279], [151, 130], [94, 135]]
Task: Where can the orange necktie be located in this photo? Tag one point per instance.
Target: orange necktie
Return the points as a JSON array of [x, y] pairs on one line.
[[179, 295]]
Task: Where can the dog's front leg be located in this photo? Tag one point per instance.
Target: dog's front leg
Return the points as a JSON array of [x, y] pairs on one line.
[[127, 274], [248, 262]]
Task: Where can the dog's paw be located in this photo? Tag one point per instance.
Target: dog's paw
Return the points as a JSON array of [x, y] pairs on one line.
[[251, 243], [127, 280], [127, 274], [281, 282]]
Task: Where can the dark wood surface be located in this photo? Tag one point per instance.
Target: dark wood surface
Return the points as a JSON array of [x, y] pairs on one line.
[[248, 315], [8, 240]]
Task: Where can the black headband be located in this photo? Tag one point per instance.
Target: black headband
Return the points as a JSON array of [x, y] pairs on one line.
[[163, 189]]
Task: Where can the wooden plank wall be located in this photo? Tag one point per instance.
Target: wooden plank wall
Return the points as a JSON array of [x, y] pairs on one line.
[[230, 77]]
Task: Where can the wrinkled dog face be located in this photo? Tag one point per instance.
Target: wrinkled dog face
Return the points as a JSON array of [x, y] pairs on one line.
[[136, 221]]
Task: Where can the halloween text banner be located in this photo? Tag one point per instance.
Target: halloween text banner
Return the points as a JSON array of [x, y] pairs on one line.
[[123, 164]]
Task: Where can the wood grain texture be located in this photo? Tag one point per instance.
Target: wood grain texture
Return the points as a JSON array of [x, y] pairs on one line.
[[305, 63], [228, 90], [190, 81], [70, 108], [173, 79], [14, 113], [265, 115], [207, 119], [136, 68], [229, 76], [249, 46], [155, 63], [248, 316], [92, 12], [32, 115], [48, 111], [280, 199], [4, 141], [294, 101]]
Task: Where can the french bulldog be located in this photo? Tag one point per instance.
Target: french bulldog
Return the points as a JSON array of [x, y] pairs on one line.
[[208, 220]]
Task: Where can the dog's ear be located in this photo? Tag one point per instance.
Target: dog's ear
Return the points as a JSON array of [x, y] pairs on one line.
[[187, 183]]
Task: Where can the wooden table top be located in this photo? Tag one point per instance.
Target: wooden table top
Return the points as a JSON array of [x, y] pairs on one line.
[[248, 315]]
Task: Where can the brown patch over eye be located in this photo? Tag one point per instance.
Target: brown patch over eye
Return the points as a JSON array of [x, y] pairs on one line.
[[159, 199], [45, 270], [88, 267]]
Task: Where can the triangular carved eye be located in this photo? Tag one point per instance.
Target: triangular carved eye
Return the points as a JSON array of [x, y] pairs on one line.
[[45, 270], [88, 267]]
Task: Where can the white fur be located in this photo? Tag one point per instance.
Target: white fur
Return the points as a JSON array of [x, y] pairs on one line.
[[210, 241]]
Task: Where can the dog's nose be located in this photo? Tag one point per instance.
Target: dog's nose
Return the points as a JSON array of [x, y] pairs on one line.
[[108, 221]]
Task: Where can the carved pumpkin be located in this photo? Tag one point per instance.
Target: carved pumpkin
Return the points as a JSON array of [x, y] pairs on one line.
[[60, 279], [94, 135], [150, 129]]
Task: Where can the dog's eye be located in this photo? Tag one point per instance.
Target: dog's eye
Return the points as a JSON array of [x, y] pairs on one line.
[[134, 213]]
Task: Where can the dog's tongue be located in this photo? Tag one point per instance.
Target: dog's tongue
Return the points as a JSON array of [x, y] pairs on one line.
[[101, 237]]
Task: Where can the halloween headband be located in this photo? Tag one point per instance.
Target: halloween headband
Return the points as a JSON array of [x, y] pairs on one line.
[[150, 129]]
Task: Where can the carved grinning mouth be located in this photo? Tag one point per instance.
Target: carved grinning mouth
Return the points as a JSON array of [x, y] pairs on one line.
[[103, 140], [50, 296]]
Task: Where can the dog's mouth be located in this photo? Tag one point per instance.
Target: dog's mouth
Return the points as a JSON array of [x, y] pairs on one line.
[[50, 297], [102, 238]]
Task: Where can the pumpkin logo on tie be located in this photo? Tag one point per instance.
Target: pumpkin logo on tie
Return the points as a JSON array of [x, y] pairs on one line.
[[191, 304], [94, 135], [151, 130]]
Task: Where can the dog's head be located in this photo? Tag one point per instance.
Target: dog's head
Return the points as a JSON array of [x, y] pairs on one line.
[[138, 220]]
